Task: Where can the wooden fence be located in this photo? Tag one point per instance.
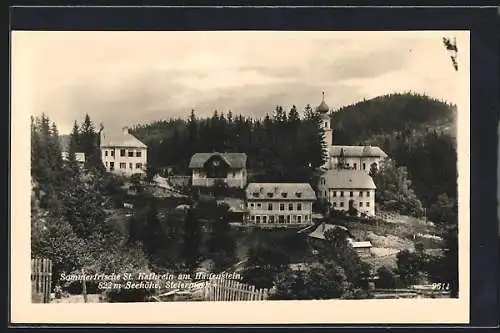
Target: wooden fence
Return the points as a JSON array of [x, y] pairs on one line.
[[232, 290], [41, 280]]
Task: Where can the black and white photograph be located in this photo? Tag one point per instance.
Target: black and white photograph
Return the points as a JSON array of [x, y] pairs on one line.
[[243, 166]]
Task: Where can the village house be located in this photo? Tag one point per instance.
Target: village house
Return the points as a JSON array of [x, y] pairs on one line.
[[343, 189], [79, 158], [279, 204], [210, 169], [354, 157], [123, 153], [316, 238]]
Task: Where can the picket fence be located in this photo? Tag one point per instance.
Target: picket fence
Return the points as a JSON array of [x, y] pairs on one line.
[[232, 290], [41, 280]]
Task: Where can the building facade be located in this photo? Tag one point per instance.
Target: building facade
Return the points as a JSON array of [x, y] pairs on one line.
[[279, 204], [122, 153], [210, 169], [348, 188]]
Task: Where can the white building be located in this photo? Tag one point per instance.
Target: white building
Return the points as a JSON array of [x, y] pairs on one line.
[[279, 204], [226, 168], [355, 157], [346, 188], [79, 157], [123, 153]]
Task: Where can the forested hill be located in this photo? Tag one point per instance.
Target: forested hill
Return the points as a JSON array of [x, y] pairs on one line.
[[390, 114], [415, 130]]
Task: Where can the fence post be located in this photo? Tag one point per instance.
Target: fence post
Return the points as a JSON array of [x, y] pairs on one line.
[[41, 279]]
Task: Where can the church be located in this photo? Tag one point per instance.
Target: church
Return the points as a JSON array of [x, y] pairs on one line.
[[346, 170]]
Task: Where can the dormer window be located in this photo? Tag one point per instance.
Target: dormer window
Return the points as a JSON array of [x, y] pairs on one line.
[[284, 194], [298, 194], [255, 194], [270, 195]]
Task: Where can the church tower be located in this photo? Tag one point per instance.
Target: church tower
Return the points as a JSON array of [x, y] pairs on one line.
[[325, 125]]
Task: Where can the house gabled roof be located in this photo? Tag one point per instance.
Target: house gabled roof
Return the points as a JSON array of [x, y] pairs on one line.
[[348, 179], [120, 139], [321, 229], [357, 151], [280, 191], [234, 160]]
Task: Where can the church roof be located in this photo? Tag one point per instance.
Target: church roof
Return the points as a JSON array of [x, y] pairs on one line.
[[323, 107], [280, 191], [234, 160], [357, 151], [348, 179], [120, 139]]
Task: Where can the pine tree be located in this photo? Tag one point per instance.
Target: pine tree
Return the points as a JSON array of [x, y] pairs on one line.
[[221, 245], [192, 239], [74, 147], [55, 149], [192, 133], [89, 144]]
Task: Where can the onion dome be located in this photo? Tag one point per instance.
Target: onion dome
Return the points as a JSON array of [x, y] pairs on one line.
[[323, 107]]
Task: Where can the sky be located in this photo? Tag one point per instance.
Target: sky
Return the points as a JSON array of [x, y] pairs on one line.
[[128, 78]]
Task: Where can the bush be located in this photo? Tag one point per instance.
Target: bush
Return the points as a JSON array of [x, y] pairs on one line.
[[386, 278]]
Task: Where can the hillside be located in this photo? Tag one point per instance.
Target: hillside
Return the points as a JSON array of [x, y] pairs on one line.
[[369, 120]]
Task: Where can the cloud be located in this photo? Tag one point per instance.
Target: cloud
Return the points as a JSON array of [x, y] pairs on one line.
[[123, 78]]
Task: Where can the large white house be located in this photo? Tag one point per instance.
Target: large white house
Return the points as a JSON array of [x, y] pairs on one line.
[[279, 204], [123, 153], [354, 157], [229, 169], [348, 188]]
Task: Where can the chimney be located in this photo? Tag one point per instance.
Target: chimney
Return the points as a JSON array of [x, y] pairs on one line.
[[125, 130]]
